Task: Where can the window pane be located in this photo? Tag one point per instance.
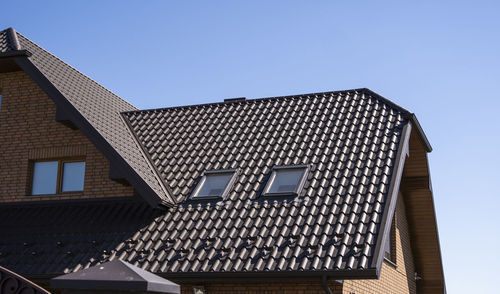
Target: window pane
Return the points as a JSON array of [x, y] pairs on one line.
[[214, 185], [285, 180], [388, 243], [73, 176], [44, 178]]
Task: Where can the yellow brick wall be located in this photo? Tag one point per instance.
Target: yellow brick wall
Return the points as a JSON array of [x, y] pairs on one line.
[[399, 279], [29, 131]]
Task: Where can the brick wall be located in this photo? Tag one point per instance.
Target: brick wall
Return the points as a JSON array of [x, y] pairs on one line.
[[265, 287], [28, 131], [393, 279]]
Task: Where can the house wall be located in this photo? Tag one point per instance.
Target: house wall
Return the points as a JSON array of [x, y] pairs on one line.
[[29, 131], [267, 287], [398, 278]]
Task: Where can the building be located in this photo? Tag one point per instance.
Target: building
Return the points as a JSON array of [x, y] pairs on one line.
[[318, 193]]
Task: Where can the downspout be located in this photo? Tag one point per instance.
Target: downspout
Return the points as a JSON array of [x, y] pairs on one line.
[[324, 284]]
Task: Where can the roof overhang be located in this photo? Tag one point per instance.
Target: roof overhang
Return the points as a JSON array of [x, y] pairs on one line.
[[418, 196], [64, 108], [392, 197]]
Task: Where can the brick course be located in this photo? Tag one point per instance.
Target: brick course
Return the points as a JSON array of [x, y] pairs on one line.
[[29, 131]]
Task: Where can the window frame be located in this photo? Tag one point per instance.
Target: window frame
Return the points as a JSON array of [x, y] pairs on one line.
[[60, 172], [390, 256], [203, 178], [300, 185]]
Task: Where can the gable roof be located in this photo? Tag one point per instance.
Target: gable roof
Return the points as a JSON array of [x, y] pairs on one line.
[[92, 108], [353, 141]]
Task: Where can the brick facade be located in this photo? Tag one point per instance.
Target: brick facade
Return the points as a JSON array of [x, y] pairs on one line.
[[29, 131], [398, 278]]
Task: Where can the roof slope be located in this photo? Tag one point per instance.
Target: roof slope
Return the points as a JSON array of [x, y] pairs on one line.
[[350, 139], [98, 106], [5, 44]]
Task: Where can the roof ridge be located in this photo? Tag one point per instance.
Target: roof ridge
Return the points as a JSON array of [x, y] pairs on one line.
[[13, 40], [363, 90], [86, 76]]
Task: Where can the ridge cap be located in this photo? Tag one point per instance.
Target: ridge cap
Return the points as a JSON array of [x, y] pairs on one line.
[[13, 39], [246, 101]]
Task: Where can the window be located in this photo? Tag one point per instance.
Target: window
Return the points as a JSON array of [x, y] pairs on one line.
[[388, 250], [214, 184], [286, 180], [0, 102], [55, 177]]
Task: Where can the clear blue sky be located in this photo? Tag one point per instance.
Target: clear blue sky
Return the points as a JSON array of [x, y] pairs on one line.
[[440, 59]]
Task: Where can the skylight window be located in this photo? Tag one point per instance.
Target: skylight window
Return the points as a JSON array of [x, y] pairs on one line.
[[214, 184], [286, 180]]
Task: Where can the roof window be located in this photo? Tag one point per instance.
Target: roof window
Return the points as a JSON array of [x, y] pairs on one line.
[[286, 181], [214, 184]]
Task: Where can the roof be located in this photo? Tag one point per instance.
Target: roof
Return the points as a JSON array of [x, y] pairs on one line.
[[92, 108], [116, 275], [353, 142]]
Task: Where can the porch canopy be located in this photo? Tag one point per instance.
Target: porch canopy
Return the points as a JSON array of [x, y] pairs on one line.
[[115, 276]]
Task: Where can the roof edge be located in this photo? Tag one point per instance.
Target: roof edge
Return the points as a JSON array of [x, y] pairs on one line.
[[221, 276], [423, 138], [410, 115], [71, 201], [146, 192], [436, 224], [385, 100], [14, 53], [244, 101], [271, 275], [392, 196], [149, 160]]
